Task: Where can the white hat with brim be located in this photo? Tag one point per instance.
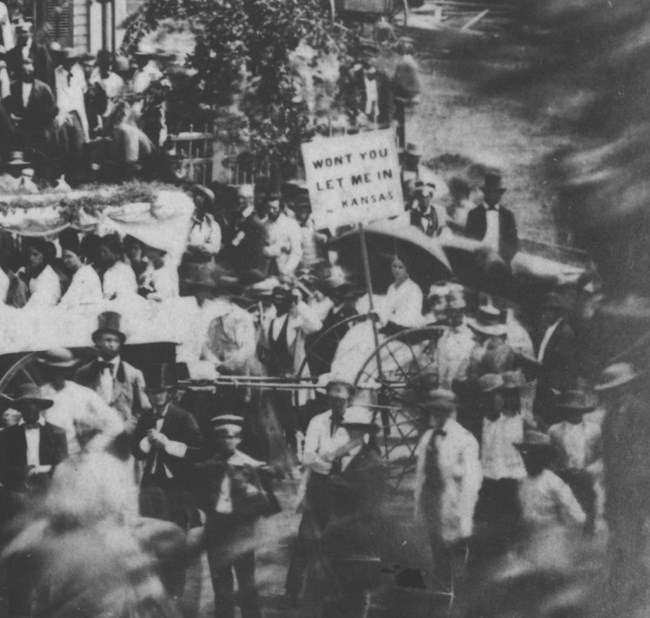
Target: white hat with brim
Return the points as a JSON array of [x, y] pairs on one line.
[[328, 379], [493, 330], [359, 418], [228, 424], [616, 375]]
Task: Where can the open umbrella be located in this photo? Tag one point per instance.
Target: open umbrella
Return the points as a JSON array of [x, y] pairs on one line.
[[425, 257]]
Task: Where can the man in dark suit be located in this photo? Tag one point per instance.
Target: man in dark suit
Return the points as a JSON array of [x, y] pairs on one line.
[[492, 223], [168, 440], [31, 106], [558, 354], [374, 93], [30, 450]]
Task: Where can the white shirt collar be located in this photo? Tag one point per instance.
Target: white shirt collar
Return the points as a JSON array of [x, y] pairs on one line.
[[496, 206], [40, 421]]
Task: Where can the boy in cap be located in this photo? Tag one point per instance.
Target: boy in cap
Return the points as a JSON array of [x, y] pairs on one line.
[[117, 382], [232, 489], [447, 482], [546, 501]]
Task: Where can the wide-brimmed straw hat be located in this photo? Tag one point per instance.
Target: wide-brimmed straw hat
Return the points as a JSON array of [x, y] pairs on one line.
[[616, 375], [57, 358], [27, 393]]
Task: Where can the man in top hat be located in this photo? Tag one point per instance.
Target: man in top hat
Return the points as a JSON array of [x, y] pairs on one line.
[[353, 535], [75, 408], [233, 490], [167, 439], [118, 383], [30, 450], [546, 501], [493, 223], [326, 441], [456, 343], [284, 239], [447, 483], [578, 448]]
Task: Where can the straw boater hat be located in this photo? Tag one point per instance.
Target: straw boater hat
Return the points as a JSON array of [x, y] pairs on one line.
[[329, 379], [616, 375], [359, 418], [228, 425], [489, 321], [58, 358], [109, 322], [534, 442], [27, 393], [575, 402], [490, 382]]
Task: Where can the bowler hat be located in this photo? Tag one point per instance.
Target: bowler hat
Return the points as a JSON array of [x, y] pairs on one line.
[[160, 376], [616, 375], [57, 357], [493, 182], [27, 393], [575, 402], [109, 322]]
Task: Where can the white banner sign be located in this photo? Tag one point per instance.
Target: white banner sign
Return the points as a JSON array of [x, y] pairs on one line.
[[353, 178]]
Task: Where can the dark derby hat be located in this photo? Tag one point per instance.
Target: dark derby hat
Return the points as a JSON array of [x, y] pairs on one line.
[[160, 377]]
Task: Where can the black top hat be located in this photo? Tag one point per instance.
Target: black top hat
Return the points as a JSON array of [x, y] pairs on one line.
[[161, 376], [493, 182], [109, 322]]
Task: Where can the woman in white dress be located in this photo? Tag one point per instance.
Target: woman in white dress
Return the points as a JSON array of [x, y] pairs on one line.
[[43, 284], [403, 304], [85, 287], [118, 279]]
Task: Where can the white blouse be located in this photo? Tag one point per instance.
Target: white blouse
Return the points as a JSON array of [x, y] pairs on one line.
[[44, 290], [119, 280], [403, 304], [163, 281], [85, 288]]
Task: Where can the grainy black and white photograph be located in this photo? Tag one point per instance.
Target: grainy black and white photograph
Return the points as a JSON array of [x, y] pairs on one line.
[[324, 309]]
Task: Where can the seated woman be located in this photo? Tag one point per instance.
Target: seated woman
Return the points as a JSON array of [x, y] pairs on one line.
[[85, 286], [160, 280], [135, 256], [403, 305], [43, 284], [118, 279]]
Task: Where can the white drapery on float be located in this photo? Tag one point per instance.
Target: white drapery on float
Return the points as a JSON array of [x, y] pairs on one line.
[[166, 219]]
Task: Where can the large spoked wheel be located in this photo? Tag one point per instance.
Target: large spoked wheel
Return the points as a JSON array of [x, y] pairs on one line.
[[320, 353], [20, 372], [395, 369], [398, 15]]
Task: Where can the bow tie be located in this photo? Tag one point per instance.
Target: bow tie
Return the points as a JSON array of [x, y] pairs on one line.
[[103, 366], [492, 207], [32, 426]]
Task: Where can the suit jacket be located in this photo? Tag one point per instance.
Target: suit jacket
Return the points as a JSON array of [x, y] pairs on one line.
[[248, 255], [508, 238], [39, 113], [179, 426], [53, 449], [385, 101], [129, 397]]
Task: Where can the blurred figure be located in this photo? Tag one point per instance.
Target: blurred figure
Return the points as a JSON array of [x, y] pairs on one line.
[[435, 305], [406, 85], [373, 95], [233, 491], [74, 406], [70, 90], [313, 243], [325, 436], [109, 81], [160, 280], [424, 214], [6, 31], [448, 479], [204, 242], [134, 253], [546, 501], [131, 146], [352, 538], [167, 439], [491, 222], [460, 206]]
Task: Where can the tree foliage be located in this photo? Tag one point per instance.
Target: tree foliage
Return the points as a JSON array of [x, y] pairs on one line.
[[241, 63]]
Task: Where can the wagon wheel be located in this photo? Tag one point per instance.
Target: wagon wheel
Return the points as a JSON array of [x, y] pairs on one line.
[[329, 7], [313, 355], [404, 357], [18, 373], [398, 15]]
